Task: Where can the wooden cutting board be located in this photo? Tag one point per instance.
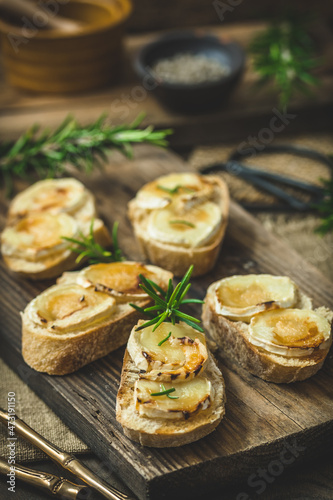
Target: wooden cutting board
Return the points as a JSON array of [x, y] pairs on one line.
[[263, 421]]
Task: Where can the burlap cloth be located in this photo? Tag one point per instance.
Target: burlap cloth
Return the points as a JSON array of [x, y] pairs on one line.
[[296, 229]]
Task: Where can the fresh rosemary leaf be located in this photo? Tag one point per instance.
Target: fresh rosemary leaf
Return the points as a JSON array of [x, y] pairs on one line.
[[165, 392], [180, 221], [172, 397], [162, 317], [179, 301], [187, 316], [183, 283], [285, 55], [169, 291], [165, 339], [167, 305], [169, 190], [147, 323], [174, 294], [147, 283], [141, 310], [175, 189], [158, 288], [152, 294], [194, 325], [192, 301], [88, 248], [168, 395], [47, 154], [152, 308]]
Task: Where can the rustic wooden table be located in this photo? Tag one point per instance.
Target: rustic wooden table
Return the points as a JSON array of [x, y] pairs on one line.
[[247, 111]]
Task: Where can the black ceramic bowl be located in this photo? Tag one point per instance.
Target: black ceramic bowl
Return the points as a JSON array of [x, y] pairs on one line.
[[196, 97]]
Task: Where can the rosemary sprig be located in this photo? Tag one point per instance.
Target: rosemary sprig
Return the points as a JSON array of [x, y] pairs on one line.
[[48, 154], [285, 55], [88, 248], [167, 304], [165, 392]]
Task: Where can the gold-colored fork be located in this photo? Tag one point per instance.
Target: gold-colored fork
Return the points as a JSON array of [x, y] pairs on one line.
[[65, 460]]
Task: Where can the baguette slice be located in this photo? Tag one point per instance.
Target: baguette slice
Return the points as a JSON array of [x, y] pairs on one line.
[[159, 432], [232, 337], [174, 257], [52, 265], [60, 353]]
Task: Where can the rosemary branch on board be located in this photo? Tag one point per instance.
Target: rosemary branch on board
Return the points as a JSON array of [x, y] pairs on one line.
[[167, 304], [285, 54], [88, 248], [47, 154]]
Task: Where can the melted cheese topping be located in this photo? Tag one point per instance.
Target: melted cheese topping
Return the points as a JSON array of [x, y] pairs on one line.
[[185, 186], [192, 396], [68, 308], [290, 332], [38, 236], [241, 297], [192, 228], [121, 280], [182, 356], [51, 195]]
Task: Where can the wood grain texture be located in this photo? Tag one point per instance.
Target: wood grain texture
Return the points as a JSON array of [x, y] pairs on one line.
[[260, 417]]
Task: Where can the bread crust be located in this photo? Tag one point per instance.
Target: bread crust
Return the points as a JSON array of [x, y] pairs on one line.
[[233, 341], [175, 258], [66, 353], [157, 432]]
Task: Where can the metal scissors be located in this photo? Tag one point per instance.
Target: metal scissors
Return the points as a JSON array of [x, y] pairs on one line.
[[269, 181]]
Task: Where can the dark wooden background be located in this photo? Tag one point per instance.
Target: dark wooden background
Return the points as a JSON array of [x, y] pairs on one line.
[[158, 14]]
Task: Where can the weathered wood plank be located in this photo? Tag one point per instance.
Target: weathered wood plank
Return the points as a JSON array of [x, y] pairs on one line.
[[260, 416]]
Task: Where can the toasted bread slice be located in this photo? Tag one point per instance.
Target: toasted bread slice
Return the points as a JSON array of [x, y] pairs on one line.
[[62, 354], [178, 257], [233, 340], [52, 264], [52, 346], [28, 243], [159, 432]]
